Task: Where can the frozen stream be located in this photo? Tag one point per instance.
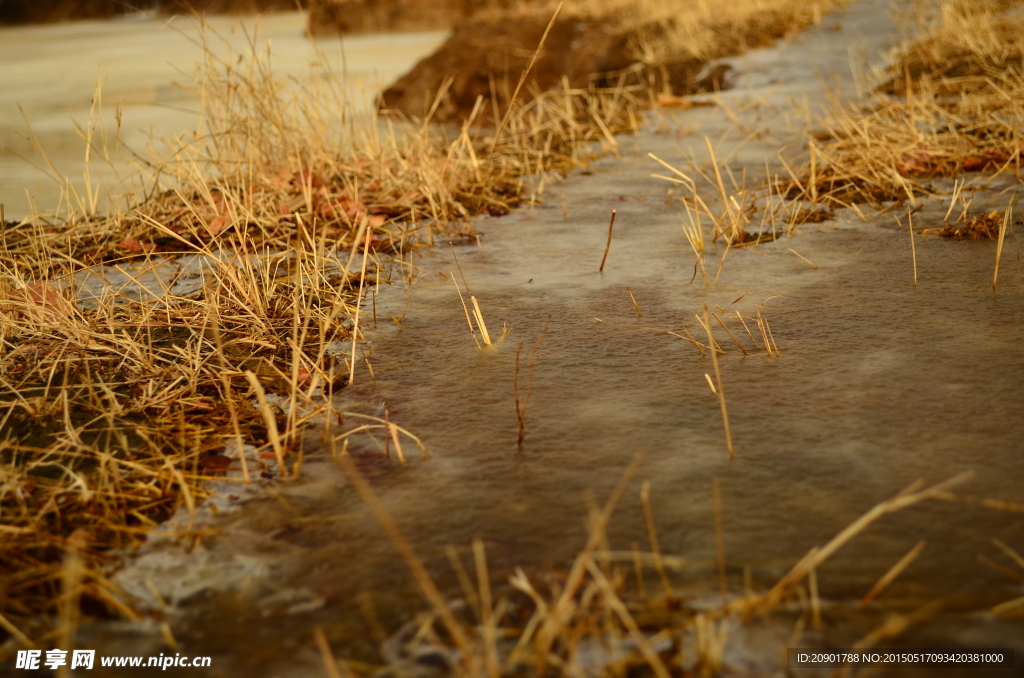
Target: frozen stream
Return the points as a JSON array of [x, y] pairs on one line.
[[879, 383]]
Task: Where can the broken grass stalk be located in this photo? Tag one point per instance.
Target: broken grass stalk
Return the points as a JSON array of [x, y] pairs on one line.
[[718, 380], [465, 310], [608, 245], [891, 575], [729, 332], [480, 322], [639, 313], [913, 245], [999, 244], [269, 420], [459, 266], [521, 408]]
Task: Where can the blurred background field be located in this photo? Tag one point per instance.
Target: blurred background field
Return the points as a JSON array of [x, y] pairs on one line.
[[51, 72]]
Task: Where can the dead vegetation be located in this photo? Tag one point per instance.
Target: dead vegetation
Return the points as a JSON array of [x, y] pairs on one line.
[[601, 615], [284, 209], [114, 414], [977, 227], [115, 411], [732, 212], [116, 405], [949, 104]]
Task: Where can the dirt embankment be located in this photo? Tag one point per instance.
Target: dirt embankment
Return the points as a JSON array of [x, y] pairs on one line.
[[487, 54], [485, 58], [334, 17], [33, 11]]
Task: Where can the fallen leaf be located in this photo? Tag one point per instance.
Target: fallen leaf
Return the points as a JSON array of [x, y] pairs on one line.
[[973, 163], [352, 208], [133, 245], [299, 180], [916, 162], [218, 226], [40, 302]]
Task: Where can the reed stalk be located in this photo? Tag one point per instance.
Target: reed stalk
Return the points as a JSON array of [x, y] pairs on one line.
[[608, 245], [718, 382]]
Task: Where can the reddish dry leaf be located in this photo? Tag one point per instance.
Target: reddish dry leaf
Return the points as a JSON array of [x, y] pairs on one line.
[[333, 209], [133, 245], [300, 179], [40, 302], [218, 226], [915, 162], [973, 163], [352, 208]]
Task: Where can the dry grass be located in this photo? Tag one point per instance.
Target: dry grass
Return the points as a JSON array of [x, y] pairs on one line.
[[597, 617], [976, 227], [677, 30], [951, 102], [114, 413], [731, 211]]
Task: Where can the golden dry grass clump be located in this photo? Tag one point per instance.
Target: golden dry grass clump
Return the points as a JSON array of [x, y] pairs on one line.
[[951, 102], [114, 412]]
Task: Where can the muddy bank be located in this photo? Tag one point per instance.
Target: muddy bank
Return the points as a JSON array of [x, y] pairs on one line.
[[486, 56], [333, 17]]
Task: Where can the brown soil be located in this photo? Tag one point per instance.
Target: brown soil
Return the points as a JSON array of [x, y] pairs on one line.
[[486, 58], [333, 17], [486, 55]]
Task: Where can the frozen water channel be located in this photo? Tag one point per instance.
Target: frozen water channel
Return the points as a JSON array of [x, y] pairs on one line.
[[879, 383]]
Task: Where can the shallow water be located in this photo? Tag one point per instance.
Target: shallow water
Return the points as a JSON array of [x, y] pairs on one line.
[[879, 383], [52, 70]]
